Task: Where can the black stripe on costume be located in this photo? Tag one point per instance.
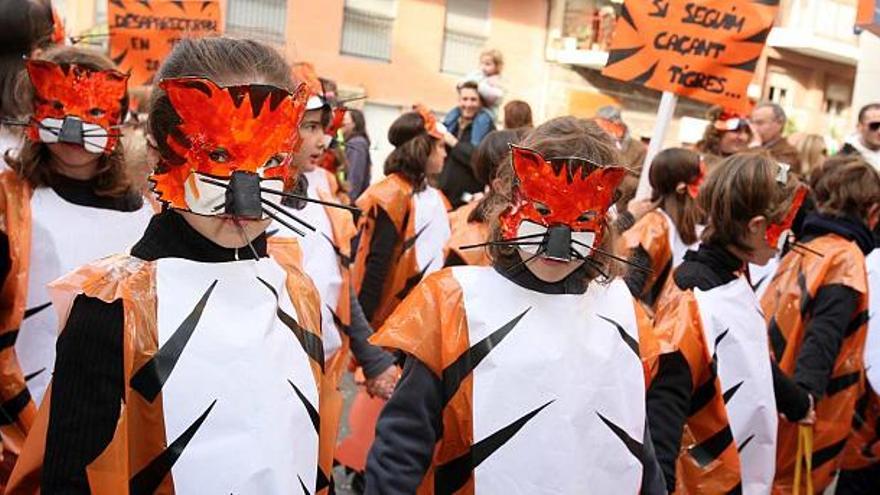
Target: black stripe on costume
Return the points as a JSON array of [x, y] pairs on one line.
[[36, 309], [711, 448], [302, 484], [806, 299], [338, 321], [745, 442], [709, 389], [777, 340], [842, 382], [310, 342], [313, 413], [737, 490], [456, 372], [344, 260], [627, 338], [322, 481], [10, 409], [654, 294], [409, 243], [147, 481], [150, 378], [35, 374], [729, 393], [412, 282], [636, 448], [450, 477], [830, 452], [857, 322], [8, 339]]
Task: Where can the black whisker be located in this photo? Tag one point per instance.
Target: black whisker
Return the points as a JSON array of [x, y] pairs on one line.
[[522, 264], [290, 215], [282, 222], [593, 263], [245, 239], [795, 244], [613, 256], [501, 243], [352, 209]]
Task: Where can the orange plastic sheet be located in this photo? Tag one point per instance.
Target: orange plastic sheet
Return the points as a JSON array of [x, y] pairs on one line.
[[651, 233], [465, 233], [394, 196], [143, 32], [868, 16], [678, 329], [431, 325], [787, 306], [15, 222], [703, 49]]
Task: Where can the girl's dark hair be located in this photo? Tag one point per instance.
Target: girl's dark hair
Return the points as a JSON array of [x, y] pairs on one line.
[[25, 25], [559, 137], [738, 189], [412, 147], [360, 125], [492, 152], [33, 162], [517, 113], [226, 61], [846, 188], [670, 168]]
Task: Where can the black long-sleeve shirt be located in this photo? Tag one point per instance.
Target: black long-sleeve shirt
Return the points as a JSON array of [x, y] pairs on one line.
[[411, 421], [378, 263]]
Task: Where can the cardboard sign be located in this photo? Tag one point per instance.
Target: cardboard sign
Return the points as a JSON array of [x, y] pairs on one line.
[[142, 32], [868, 16], [702, 49]]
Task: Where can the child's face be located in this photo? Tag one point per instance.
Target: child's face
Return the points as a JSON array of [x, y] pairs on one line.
[[73, 155], [756, 238], [550, 271], [312, 134], [487, 65], [435, 160]]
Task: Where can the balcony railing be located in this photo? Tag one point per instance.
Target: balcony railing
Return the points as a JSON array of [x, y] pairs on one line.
[[262, 20], [461, 51], [366, 34], [819, 28]]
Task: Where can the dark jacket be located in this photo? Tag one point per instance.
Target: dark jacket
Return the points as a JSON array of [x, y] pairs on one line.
[[357, 154]]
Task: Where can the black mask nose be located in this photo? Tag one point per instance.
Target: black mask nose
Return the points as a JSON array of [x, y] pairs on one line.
[[557, 243], [243, 196], [71, 131]]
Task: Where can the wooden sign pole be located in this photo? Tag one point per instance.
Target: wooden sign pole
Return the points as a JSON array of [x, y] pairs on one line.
[[665, 112]]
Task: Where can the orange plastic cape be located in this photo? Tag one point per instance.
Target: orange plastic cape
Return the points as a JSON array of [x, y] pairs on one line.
[[863, 448], [140, 432], [15, 222], [431, 325], [394, 196], [466, 233], [651, 233], [704, 465], [787, 304]]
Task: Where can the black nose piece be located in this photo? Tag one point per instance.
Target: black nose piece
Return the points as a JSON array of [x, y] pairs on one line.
[[243, 196], [557, 243], [71, 131]]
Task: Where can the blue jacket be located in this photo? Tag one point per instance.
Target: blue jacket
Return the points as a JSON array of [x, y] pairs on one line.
[[483, 124]]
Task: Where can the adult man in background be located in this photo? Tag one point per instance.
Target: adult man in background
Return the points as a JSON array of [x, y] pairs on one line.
[[866, 141], [768, 121], [468, 124]]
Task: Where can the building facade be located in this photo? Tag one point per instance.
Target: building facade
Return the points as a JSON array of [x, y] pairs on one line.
[[395, 53]]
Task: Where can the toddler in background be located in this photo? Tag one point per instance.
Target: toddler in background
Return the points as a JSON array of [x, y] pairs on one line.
[[488, 77]]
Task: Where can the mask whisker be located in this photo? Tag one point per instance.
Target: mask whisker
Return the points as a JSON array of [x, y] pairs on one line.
[[613, 256], [245, 239], [282, 222], [501, 243], [290, 215], [804, 247], [300, 197]]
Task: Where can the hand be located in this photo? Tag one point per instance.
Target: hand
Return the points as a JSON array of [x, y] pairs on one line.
[[382, 386], [450, 140], [810, 418], [640, 207]]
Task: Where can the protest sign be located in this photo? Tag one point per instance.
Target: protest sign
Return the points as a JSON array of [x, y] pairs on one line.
[[142, 32], [868, 16], [706, 50]]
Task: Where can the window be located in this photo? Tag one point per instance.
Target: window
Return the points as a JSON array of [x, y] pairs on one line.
[[262, 20], [778, 95], [100, 12], [465, 34], [367, 27]]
